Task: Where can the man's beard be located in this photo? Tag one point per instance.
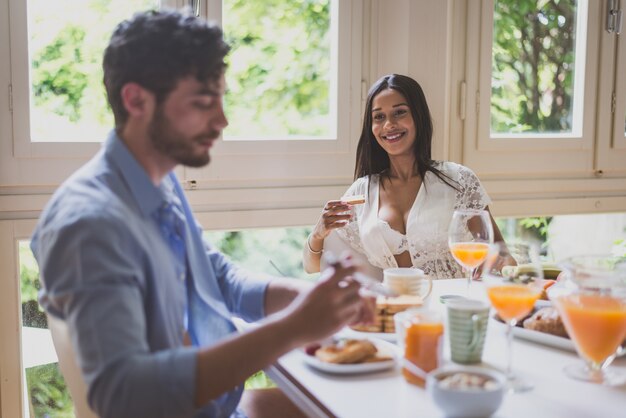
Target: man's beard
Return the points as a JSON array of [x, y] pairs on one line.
[[173, 144]]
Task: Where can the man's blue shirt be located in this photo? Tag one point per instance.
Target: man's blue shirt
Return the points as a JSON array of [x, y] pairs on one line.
[[108, 272]]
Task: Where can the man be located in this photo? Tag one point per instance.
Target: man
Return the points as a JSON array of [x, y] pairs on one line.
[[124, 265]]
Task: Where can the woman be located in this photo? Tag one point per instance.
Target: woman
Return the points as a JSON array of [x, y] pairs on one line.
[[409, 197]]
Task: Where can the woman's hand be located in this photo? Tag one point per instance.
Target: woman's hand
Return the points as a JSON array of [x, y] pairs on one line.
[[335, 214]]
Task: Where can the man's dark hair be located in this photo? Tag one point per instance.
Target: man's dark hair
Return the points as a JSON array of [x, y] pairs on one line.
[[156, 49], [371, 158]]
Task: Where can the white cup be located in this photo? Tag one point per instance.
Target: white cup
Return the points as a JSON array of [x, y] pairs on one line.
[[408, 281]]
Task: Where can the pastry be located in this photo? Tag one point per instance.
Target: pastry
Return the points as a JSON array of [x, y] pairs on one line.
[[386, 308], [401, 303], [347, 351], [546, 320]]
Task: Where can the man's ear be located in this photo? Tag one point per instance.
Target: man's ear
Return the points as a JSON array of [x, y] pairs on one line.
[[137, 101]]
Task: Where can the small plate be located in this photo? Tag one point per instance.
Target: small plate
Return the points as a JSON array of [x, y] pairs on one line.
[[383, 347], [348, 332], [540, 337]]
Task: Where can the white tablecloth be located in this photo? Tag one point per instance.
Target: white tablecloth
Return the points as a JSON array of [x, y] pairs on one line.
[[387, 394]]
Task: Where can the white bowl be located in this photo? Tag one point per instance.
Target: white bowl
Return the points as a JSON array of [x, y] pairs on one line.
[[466, 402]]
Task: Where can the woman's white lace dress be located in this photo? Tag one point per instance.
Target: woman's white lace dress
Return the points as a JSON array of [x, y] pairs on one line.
[[428, 220]]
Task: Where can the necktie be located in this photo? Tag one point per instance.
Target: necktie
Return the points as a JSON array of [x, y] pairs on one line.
[[171, 222], [204, 324]]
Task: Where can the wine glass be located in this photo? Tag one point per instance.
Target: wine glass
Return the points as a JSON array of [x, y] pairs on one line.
[[513, 279], [469, 236], [592, 303]]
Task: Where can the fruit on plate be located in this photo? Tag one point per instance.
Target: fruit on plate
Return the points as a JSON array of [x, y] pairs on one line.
[[546, 284]]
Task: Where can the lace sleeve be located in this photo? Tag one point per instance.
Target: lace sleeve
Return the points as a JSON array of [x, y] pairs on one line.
[[351, 234], [471, 193]]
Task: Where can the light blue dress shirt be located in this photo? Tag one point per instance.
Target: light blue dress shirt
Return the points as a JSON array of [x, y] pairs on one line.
[[108, 272]]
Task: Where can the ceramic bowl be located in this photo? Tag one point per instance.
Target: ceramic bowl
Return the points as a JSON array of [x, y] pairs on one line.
[[474, 402]]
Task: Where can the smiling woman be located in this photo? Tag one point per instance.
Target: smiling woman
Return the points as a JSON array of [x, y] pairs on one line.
[[409, 196], [392, 123]]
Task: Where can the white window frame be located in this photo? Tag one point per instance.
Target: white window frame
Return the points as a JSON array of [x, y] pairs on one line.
[[283, 162], [12, 384], [41, 164], [527, 154], [271, 164], [611, 146]]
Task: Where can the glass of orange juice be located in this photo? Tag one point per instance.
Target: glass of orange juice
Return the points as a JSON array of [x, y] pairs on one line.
[[592, 303], [513, 276], [420, 336], [469, 235]]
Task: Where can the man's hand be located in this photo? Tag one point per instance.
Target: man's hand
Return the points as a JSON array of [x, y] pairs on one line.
[[316, 313], [367, 312], [333, 303]]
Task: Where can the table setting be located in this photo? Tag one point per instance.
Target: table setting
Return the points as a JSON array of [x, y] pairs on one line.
[[461, 348]]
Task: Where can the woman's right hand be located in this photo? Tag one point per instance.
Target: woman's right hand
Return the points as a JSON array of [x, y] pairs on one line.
[[335, 214]]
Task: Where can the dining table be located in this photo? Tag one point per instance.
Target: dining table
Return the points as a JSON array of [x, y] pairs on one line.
[[387, 394]]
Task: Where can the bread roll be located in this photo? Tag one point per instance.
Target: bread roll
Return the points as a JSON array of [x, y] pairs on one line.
[[347, 351], [546, 320]]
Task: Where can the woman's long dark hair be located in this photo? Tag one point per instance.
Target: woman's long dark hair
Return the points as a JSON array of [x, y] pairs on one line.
[[371, 158]]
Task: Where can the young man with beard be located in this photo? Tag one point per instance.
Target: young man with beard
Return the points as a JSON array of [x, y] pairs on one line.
[[148, 303]]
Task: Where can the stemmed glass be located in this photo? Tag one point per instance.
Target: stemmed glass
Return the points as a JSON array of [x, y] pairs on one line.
[[513, 276], [469, 236], [592, 303]]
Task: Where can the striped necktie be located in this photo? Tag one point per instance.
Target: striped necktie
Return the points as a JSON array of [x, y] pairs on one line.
[[172, 224]]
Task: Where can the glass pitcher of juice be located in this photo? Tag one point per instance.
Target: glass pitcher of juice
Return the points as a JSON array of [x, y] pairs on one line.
[[420, 336], [591, 300]]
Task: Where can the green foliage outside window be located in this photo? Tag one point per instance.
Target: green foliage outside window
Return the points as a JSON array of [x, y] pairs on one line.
[[619, 248], [275, 251], [57, 82], [66, 43], [278, 76], [279, 67], [49, 396], [533, 65]]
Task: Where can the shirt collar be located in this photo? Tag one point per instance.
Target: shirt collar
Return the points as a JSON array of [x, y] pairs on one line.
[[147, 196]]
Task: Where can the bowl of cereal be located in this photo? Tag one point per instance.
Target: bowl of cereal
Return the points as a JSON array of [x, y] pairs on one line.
[[466, 391]]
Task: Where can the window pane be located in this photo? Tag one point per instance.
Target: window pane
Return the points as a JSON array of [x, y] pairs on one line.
[[275, 251], [279, 75], [534, 67], [47, 395], [66, 42], [564, 236]]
